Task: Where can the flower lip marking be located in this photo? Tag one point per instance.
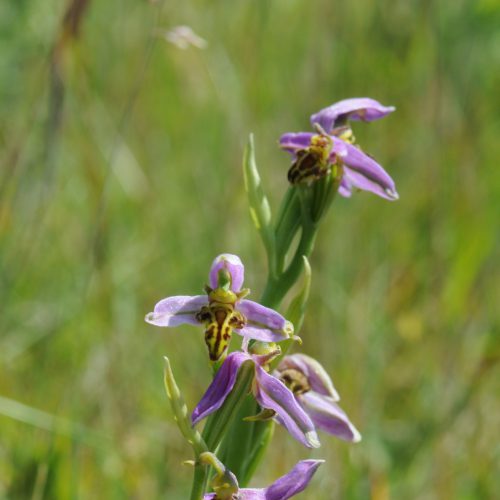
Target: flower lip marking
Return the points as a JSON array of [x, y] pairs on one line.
[[313, 162], [220, 318], [219, 322], [295, 380], [313, 390]]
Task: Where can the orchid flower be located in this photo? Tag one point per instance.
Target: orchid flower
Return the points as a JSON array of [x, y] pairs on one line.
[[226, 486], [360, 171], [271, 393], [223, 310], [314, 392]]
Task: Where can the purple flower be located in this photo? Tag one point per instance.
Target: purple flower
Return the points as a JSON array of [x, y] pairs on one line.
[[222, 310], [315, 393], [285, 487], [360, 171], [270, 393]]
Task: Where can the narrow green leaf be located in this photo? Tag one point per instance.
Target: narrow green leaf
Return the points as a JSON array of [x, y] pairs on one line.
[[260, 210]]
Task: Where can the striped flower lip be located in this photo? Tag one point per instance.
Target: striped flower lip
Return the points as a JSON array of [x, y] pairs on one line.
[[314, 392], [222, 310], [287, 486], [270, 393], [361, 171]]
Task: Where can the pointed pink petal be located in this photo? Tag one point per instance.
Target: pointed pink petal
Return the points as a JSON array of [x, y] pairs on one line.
[[294, 482], [272, 394], [220, 387], [263, 324], [174, 311], [328, 416], [363, 172]]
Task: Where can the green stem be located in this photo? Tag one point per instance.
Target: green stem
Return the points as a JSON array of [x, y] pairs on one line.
[[200, 480], [277, 288]]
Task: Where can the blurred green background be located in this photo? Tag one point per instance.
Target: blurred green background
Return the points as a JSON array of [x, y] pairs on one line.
[[121, 180]]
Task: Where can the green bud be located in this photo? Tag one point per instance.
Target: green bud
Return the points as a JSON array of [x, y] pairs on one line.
[[180, 411]]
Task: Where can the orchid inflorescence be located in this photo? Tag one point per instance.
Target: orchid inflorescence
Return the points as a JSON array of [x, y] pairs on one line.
[[260, 384]]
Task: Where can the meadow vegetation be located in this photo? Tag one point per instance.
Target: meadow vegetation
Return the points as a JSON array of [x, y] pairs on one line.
[[121, 181]]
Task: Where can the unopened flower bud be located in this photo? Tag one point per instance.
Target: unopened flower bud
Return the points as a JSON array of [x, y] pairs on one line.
[[224, 483]]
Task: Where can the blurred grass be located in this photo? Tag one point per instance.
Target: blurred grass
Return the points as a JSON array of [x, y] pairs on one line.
[[121, 181]]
